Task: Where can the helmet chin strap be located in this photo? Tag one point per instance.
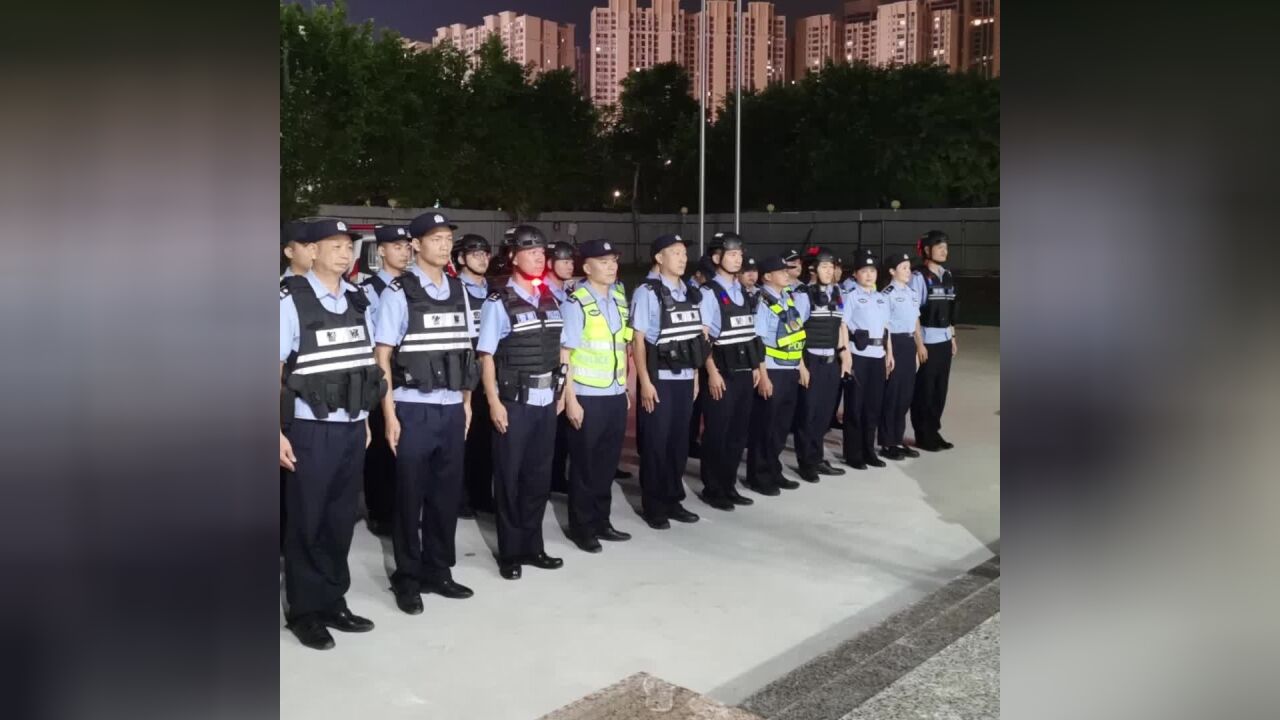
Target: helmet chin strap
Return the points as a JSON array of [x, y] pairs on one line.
[[527, 276]]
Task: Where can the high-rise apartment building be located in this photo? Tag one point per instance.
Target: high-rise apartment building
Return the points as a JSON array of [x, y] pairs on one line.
[[539, 44], [815, 41], [860, 31], [942, 33], [626, 37], [980, 50], [898, 32]]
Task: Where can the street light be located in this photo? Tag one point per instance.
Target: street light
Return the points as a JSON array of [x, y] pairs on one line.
[[895, 204]]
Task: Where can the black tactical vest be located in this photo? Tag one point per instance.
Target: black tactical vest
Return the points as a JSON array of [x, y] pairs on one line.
[[752, 297], [376, 283], [436, 352], [737, 347], [476, 304], [822, 329], [680, 344], [334, 367], [532, 349], [939, 299]]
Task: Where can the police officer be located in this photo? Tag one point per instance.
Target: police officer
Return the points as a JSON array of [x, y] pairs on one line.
[[904, 328], [732, 372], [668, 347], [826, 357], [520, 327], [296, 251], [706, 270], [471, 258], [423, 332], [749, 277], [595, 337], [379, 461], [559, 279], [779, 322], [329, 382], [936, 288], [866, 312], [795, 269]]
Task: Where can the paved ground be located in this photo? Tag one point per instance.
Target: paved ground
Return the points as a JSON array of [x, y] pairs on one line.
[[721, 607]]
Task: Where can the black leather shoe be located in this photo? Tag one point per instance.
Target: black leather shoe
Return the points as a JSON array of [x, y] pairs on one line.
[[738, 498], [448, 588], [786, 484], [856, 465], [378, 527], [769, 490], [826, 468], [908, 451], [621, 474], [312, 633], [409, 602], [586, 543], [467, 512], [695, 450], [718, 503], [544, 561], [809, 474], [874, 461], [509, 570], [679, 514], [928, 445], [891, 453], [344, 621], [613, 534], [943, 443], [657, 524]]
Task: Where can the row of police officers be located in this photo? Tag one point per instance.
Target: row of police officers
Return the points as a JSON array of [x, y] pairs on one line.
[[450, 393]]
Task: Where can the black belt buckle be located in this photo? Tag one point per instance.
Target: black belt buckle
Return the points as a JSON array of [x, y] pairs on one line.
[[541, 383], [822, 359]]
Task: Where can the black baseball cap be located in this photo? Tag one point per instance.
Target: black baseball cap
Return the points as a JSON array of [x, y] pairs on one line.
[[773, 263], [318, 230], [292, 231], [749, 263], [597, 248], [790, 256], [390, 233], [895, 259], [863, 258], [665, 241], [707, 267], [426, 222]]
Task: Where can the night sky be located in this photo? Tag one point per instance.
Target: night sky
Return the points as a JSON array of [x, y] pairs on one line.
[[418, 19]]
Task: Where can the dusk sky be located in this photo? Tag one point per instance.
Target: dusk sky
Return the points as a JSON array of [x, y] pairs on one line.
[[418, 19]]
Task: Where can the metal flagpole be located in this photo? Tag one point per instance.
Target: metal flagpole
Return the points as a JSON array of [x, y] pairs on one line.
[[702, 126], [737, 135]]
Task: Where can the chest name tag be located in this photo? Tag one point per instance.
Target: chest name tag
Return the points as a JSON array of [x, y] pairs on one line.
[[553, 315], [686, 316], [340, 336], [526, 317], [443, 320], [740, 321]]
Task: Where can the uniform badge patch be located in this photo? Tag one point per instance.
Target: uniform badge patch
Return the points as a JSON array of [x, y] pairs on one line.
[[394, 284]]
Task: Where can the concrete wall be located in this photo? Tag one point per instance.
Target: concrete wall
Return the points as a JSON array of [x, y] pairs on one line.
[[974, 232]]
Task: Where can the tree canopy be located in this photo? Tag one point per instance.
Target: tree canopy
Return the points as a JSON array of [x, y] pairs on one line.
[[363, 120]]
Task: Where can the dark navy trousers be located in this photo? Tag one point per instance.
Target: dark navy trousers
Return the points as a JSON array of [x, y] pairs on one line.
[[931, 392], [428, 491], [898, 391], [814, 407], [322, 503], [662, 437], [522, 477], [770, 424], [863, 396], [725, 437], [594, 451]]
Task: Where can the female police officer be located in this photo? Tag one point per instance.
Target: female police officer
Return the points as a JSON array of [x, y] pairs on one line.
[[904, 329], [867, 316]]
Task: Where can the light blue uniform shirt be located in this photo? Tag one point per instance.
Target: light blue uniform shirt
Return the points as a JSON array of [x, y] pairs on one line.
[[477, 291], [767, 322], [710, 304], [848, 285], [560, 294], [495, 325], [291, 334], [646, 317], [928, 334], [375, 299], [571, 336], [866, 310], [904, 307], [393, 325]]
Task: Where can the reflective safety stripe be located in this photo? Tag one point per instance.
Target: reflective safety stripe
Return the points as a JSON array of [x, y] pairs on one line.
[[436, 336], [435, 347], [330, 354], [776, 353], [678, 334], [600, 360], [329, 367], [791, 339]]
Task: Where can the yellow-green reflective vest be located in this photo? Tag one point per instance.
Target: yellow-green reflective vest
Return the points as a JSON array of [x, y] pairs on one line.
[[601, 358], [791, 334]]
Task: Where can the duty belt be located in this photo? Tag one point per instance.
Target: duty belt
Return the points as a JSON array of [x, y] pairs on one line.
[[820, 359], [541, 382], [875, 342]]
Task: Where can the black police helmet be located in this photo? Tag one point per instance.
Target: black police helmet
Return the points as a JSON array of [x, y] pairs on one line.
[[524, 237], [560, 250], [469, 243], [929, 239], [817, 254], [725, 241]]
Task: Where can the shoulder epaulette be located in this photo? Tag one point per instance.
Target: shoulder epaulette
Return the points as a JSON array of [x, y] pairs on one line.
[[395, 284], [284, 290]]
